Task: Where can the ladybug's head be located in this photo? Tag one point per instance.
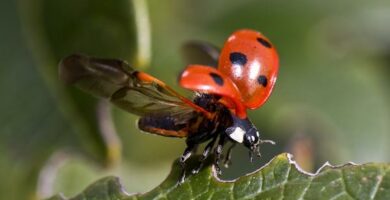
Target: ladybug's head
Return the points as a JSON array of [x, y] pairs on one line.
[[251, 139], [243, 131]]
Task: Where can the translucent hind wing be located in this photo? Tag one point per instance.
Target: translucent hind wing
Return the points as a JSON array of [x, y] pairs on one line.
[[133, 91], [200, 52]]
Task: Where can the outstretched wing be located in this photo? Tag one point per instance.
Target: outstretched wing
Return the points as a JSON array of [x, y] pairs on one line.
[[131, 90], [202, 53]]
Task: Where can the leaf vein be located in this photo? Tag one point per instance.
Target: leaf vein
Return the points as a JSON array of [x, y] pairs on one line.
[[376, 187], [161, 193], [266, 190], [330, 183], [211, 195], [285, 182], [306, 188], [262, 181], [207, 190], [338, 195], [343, 180]]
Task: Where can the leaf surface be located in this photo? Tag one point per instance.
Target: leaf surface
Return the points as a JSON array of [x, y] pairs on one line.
[[281, 178]]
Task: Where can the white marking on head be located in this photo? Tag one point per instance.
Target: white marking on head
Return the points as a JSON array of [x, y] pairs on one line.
[[237, 135], [257, 134]]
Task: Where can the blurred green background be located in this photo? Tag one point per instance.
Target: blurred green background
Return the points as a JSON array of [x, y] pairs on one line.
[[331, 101]]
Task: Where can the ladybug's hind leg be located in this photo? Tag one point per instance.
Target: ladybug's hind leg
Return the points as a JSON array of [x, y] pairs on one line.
[[218, 153], [184, 157], [205, 153]]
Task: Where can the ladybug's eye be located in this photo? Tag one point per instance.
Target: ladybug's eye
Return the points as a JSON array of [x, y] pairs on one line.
[[264, 42], [262, 80]]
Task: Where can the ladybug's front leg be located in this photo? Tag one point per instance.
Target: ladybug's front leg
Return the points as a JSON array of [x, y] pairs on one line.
[[184, 157], [227, 161]]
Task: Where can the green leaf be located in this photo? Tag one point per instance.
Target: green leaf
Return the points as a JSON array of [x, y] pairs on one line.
[[281, 178]]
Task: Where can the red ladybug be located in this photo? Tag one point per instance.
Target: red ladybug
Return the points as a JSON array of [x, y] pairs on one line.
[[226, 84]]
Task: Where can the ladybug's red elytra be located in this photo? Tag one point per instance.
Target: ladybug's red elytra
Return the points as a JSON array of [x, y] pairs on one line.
[[250, 61], [226, 84]]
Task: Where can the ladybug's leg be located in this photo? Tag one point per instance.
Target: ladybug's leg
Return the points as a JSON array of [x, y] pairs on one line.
[[227, 161], [205, 153], [251, 155], [218, 153], [184, 157]]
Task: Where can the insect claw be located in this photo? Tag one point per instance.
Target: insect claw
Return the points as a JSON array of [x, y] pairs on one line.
[[195, 171], [182, 177], [218, 169], [227, 163]]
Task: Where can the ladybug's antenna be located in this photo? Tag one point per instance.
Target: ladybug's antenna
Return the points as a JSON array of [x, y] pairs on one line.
[[267, 141], [258, 154]]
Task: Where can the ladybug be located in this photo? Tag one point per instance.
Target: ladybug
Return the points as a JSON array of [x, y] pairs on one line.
[[226, 84]]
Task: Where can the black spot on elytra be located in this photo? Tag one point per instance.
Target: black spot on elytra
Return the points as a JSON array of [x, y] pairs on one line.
[[262, 80], [264, 42], [217, 78], [238, 58]]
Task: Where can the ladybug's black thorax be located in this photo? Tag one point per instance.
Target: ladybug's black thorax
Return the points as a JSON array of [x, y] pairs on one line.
[[207, 101], [203, 128]]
